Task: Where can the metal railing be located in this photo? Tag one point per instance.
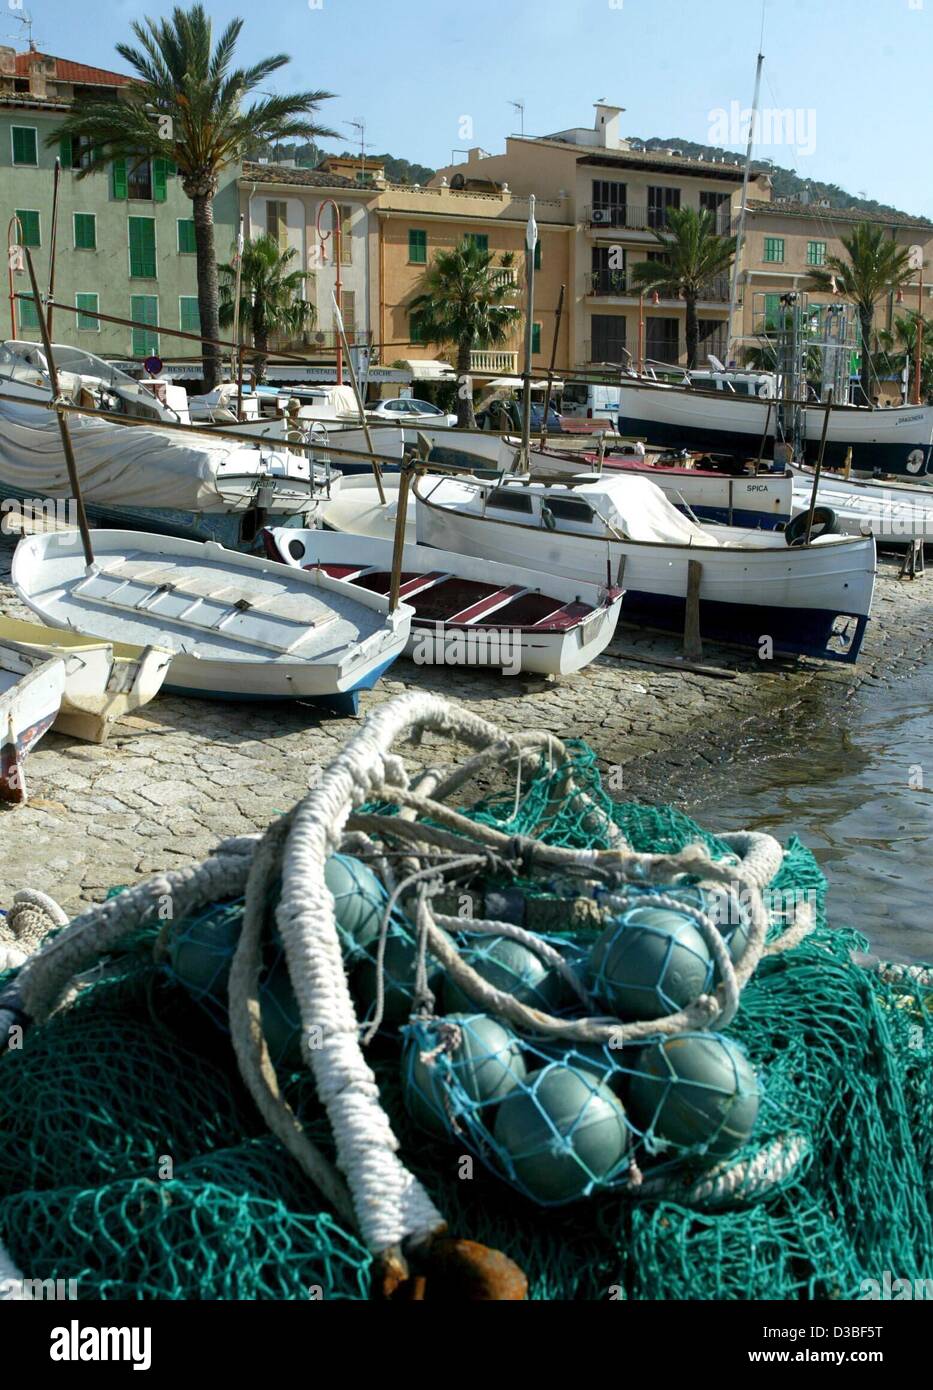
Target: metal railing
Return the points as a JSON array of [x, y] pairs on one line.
[[635, 217], [622, 282]]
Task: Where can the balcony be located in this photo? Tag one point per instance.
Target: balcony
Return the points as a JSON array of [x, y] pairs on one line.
[[494, 362], [622, 282], [507, 277], [606, 350], [608, 218]]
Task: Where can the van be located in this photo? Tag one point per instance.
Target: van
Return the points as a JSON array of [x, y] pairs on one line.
[[586, 402]]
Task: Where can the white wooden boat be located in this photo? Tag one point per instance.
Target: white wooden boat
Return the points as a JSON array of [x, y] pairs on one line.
[[358, 510], [468, 612], [755, 590], [898, 440], [31, 687], [103, 680], [894, 515], [238, 627]]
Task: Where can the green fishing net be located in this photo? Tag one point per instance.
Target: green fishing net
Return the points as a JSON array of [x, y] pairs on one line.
[[133, 1161]]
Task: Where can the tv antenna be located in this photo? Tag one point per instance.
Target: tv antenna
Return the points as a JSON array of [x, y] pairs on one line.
[[519, 106], [360, 125], [25, 19]]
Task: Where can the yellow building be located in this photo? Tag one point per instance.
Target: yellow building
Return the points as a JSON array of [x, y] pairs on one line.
[[414, 224]]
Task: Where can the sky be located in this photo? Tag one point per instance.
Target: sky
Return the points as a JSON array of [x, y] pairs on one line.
[[847, 90]]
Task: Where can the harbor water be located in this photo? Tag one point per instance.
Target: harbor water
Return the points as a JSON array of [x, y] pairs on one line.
[[854, 779]]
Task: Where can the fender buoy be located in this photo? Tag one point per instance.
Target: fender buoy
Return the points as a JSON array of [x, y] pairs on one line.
[[547, 516], [825, 523]]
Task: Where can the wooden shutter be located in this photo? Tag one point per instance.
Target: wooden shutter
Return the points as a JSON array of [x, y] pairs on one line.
[[88, 302], [159, 180], [144, 308], [348, 308], [118, 178], [66, 152], [85, 225], [142, 247], [346, 234]]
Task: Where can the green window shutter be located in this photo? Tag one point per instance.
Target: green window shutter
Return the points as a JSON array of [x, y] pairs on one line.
[[29, 221], [772, 312], [478, 239], [89, 303], [774, 248], [188, 314], [538, 254], [118, 178], [25, 146], [28, 318], [816, 252], [536, 337], [187, 246], [417, 246], [142, 247], [85, 231], [144, 308], [415, 330], [65, 152], [159, 180]]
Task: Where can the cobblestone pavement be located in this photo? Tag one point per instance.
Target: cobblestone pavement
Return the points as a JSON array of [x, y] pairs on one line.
[[182, 774]]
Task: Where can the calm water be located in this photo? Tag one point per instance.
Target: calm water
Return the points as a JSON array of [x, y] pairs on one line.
[[855, 782]]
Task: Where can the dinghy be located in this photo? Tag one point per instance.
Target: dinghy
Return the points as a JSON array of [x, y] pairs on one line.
[[31, 687], [755, 589], [468, 612], [103, 680], [238, 627]]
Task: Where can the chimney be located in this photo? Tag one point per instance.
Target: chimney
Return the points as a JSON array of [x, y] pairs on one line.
[[606, 126], [7, 62]]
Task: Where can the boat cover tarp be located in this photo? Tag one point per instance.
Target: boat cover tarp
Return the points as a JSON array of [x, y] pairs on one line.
[[129, 465]]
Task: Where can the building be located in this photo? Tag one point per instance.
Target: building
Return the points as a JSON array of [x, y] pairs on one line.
[[415, 223], [614, 198], [289, 203], [125, 235]]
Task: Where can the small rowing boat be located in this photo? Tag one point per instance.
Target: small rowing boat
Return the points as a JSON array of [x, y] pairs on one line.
[[31, 687]]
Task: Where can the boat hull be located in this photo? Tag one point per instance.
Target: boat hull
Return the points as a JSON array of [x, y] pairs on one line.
[[772, 599], [28, 709], [898, 441]]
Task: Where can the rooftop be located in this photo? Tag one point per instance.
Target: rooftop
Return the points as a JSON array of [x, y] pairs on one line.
[[825, 214], [301, 178], [64, 70]]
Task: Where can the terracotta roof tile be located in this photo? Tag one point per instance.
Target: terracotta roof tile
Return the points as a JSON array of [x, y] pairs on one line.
[[280, 173], [67, 71]]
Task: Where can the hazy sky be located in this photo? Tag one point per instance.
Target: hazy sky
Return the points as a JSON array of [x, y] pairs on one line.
[[856, 75]]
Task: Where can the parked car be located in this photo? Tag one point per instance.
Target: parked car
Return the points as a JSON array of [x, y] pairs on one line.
[[406, 410]]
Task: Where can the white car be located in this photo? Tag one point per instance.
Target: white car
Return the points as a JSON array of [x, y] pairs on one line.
[[406, 411]]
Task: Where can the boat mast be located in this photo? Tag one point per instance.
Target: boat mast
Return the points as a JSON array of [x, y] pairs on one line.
[[740, 238]]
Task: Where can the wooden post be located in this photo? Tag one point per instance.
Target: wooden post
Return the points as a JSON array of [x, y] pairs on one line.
[[377, 471], [550, 370], [693, 645], [62, 421], [819, 466], [53, 239], [847, 467], [401, 515]]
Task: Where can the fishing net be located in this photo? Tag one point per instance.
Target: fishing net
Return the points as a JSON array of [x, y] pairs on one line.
[[133, 1161]]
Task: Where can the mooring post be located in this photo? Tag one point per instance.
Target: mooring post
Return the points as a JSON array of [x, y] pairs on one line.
[[693, 644]]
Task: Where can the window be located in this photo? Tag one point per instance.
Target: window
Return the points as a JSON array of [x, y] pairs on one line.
[[90, 304], [659, 201], [816, 253], [28, 318], [774, 248], [569, 509], [85, 226], [189, 318], [118, 179], [609, 203], [608, 338], [346, 234], [608, 264], [144, 308], [75, 151], [417, 247], [662, 342], [415, 328], [142, 247], [25, 145], [348, 310], [772, 313], [277, 222], [718, 205], [29, 222], [139, 180], [538, 254], [536, 337], [187, 246], [509, 500], [478, 239]]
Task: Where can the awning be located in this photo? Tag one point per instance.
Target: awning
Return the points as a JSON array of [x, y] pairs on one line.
[[515, 383], [429, 370]]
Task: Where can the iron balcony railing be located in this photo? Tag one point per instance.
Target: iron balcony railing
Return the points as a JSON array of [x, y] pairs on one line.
[[632, 217], [622, 282]]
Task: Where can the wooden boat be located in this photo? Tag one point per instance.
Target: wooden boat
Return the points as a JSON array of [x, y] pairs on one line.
[[358, 510], [894, 515], [237, 626], [468, 612], [31, 687], [755, 589], [897, 440], [103, 680]]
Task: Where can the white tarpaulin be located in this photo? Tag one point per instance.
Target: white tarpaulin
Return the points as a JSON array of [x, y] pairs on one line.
[[129, 465]]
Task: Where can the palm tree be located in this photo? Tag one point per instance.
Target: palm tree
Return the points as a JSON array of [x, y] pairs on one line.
[[898, 349], [270, 295], [464, 302], [692, 256], [876, 265], [185, 106]]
